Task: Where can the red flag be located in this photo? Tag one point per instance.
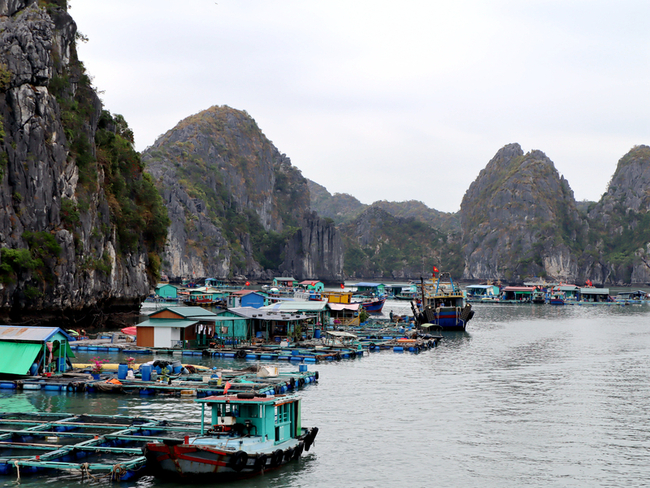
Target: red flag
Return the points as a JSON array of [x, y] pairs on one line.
[[226, 387], [342, 286], [435, 270], [248, 283]]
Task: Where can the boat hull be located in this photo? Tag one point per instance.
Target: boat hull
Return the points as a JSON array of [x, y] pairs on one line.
[[374, 306], [179, 460]]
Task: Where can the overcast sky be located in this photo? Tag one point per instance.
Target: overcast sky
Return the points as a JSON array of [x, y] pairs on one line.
[[387, 100]]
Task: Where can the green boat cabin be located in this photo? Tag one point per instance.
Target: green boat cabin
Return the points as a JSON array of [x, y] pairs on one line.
[[274, 418]]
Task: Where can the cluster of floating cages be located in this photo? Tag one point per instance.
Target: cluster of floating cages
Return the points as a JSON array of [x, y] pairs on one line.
[[93, 446]]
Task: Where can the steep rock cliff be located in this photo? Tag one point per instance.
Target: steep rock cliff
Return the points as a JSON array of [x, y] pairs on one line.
[[237, 205], [62, 256], [519, 219], [620, 223]]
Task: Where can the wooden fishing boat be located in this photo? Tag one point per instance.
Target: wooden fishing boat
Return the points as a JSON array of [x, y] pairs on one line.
[[248, 435], [443, 305], [374, 305]]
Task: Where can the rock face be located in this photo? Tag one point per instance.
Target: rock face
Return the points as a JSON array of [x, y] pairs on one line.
[[381, 246], [621, 220], [238, 207], [519, 220], [61, 255]]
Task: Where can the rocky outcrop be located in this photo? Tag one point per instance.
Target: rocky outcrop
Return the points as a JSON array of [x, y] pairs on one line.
[[621, 222], [61, 256], [519, 220], [237, 205], [383, 247]]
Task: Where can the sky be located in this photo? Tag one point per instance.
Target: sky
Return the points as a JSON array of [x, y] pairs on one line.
[[385, 100]]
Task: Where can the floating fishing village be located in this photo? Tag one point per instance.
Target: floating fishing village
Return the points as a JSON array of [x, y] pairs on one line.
[[254, 424]]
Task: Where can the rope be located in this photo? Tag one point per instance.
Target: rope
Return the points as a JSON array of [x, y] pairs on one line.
[[17, 471], [85, 470], [117, 472]]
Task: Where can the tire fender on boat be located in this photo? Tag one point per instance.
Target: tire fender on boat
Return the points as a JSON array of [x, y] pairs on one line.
[[288, 455], [298, 450], [241, 354], [238, 460], [260, 462], [276, 458]]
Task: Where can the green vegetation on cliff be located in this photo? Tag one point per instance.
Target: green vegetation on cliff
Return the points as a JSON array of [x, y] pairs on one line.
[[378, 245], [136, 210]]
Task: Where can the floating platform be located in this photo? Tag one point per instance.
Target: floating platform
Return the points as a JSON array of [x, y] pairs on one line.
[[180, 386], [97, 447]]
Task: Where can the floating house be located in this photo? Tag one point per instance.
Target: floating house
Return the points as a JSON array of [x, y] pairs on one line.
[[594, 295], [365, 288], [165, 290], [270, 324], [33, 350], [284, 282], [177, 327], [247, 298], [346, 314], [481, 292], [312, 285], [517, 294]]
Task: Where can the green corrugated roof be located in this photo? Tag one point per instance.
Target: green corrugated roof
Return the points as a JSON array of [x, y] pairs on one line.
[[167, 323], [18, 357]]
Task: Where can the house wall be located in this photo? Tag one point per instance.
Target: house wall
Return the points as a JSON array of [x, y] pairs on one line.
[[163, 337], [252, 300], [165, 314], [145, 337]]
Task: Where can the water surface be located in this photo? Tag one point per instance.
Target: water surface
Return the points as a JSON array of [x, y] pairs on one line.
[[529, 396]]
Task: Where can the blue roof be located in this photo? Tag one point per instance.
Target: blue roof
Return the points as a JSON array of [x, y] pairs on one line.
[[30, 334]]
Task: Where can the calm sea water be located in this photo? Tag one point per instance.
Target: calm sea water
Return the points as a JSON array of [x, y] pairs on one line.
[[528, 396]]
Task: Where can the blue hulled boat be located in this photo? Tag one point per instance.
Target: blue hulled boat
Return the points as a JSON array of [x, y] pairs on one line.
[[443, 305]]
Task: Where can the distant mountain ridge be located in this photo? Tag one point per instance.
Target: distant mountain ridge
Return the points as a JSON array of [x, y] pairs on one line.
[[518, 220]]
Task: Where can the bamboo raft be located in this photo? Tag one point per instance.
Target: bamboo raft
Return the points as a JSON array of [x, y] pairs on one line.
[[97, 447]]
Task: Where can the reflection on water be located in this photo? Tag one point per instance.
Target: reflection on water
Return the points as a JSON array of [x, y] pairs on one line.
[[527, 396]]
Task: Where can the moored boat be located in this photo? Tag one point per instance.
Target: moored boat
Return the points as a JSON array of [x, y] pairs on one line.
[[248, 435], [374, 305], [443, 305]]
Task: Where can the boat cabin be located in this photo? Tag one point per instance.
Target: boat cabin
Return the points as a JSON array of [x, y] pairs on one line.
[[275, 418]]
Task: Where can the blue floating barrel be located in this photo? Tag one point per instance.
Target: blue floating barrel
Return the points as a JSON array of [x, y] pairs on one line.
[[317, 334], [302, 368], [177, 369], [122, 369], [398, 349], [258, 334], [145, 369]]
